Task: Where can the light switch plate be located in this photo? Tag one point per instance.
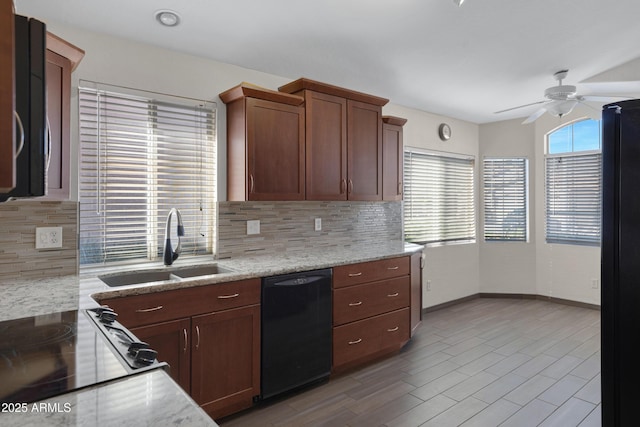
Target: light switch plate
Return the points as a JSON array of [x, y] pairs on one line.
[[318, 224], [48, 237], [253, 226]]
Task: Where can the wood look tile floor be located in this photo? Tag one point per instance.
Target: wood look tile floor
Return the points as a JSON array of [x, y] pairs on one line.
[[486, 362]]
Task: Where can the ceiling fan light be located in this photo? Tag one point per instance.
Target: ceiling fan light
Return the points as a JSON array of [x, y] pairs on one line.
[[560, 109]]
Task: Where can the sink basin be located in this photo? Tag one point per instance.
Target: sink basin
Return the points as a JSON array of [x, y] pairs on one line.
[[199, 270], [167, 274], [136, 278]]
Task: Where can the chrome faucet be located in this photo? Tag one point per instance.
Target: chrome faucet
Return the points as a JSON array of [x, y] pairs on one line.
[[169, 254]]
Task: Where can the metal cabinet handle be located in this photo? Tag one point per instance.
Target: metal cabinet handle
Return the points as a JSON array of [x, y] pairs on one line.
[[184, 331], [393, 268], [350, 186], [251, 183], [343, 186], [358, 341], [48, 145], [355, 274], [354, 304], [393, 295], [21, 145], [198, 337], [393, 329], [228, 296], [147, 310]]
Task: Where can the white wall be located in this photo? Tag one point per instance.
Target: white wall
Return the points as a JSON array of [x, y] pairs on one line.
[[509, 267], [454, 270], [555, 270]]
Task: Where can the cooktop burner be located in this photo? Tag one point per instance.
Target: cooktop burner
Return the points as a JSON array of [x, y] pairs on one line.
[[43, 356]]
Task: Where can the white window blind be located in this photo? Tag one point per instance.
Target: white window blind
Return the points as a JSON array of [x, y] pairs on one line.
[[139, 157], [573, 198], [505, 199], [438, 198]]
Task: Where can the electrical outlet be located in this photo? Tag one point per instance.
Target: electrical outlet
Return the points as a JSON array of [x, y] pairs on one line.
[[318, 224], [253, 226], [428, 285], [48, 237], [595, 283]]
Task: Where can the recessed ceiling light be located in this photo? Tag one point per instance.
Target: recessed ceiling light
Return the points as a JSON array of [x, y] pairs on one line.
[[168, 18], [458, 2]]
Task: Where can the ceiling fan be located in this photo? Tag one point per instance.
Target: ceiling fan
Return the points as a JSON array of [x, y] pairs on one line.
[[560, 100]]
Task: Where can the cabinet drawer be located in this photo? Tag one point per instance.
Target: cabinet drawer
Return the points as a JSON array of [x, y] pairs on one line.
[[353, 274], [358, 302], [360, 339], [157, 307]]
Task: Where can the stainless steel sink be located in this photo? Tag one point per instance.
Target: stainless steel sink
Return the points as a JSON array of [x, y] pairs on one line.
[[199, 270], [136, 278], [167, 274]]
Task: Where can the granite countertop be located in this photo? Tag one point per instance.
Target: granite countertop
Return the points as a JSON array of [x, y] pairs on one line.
[[149, 399], [116, 403]]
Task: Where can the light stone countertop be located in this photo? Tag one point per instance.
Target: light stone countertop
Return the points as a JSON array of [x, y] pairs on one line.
[[149, 399], [103, 405]]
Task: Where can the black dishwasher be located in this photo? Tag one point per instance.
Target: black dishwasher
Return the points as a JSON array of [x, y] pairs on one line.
[[296, 330]]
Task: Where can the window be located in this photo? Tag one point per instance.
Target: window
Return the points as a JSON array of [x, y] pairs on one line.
[[139, 157], [438, 198], [505, 199], [573, 187]]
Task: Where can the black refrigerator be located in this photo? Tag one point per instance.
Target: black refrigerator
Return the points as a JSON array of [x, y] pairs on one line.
[[620, 302]]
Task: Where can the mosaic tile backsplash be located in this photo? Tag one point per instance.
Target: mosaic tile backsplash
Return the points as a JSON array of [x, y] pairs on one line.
[[19, 257], [289, 226]]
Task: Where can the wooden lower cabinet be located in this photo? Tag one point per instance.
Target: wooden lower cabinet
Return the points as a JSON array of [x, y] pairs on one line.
[[366, 339], [171, 341], [225, 363]]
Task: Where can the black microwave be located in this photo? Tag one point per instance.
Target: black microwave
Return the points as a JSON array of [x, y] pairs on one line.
[[31, 108]]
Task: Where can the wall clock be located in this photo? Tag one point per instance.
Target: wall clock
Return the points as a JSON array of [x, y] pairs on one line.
[[444, 131]]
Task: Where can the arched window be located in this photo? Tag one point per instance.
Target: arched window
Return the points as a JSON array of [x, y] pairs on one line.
[[573, 183]]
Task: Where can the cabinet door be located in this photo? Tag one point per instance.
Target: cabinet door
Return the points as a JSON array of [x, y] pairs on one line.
[[275, 150], [7, 98], [171, 341], [416, 291], [326, 146], [364, 151], [225, 370], [58, 70], [392, 156]]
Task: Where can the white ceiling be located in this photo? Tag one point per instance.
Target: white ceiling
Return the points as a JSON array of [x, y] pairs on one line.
[[464, 62]]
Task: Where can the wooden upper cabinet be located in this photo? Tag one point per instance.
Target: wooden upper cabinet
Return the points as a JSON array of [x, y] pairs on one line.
[[326, 146], [7, 97], [392, 158], [364, 144], [343, 141], [62, 58], [265, 144]]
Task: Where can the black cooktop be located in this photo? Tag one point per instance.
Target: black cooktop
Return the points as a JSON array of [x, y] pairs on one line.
[[43, 356]]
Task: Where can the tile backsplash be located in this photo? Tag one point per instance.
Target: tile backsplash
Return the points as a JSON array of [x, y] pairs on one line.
[[18, 256], [289, 226]]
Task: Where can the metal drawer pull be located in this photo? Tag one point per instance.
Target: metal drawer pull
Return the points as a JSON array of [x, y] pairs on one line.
[[228, 296], [393, 329], [354, 304], [198, 336], [393, 295], [147, 310], [184, 331], [355, 274], [393, 268], [358, 341]]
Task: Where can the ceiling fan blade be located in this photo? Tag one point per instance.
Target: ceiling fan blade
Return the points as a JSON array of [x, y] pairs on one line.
[[532, 118], [602, 98], [520, 106]]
